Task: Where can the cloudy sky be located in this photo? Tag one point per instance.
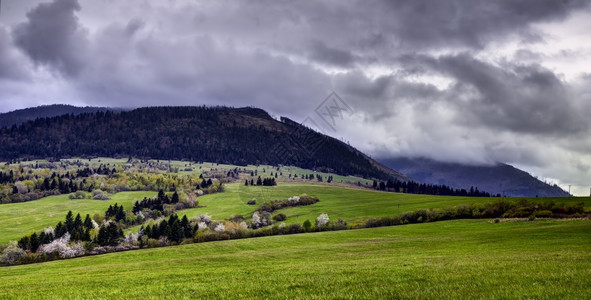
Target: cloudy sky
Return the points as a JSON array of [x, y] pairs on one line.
[[472, 81]]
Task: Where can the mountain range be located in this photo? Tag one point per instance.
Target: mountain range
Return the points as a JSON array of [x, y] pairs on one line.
[[498, 178], [236, 136]]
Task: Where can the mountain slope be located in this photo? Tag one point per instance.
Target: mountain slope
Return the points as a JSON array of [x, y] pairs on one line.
[[20, 116], [493, 179], [219, 134]]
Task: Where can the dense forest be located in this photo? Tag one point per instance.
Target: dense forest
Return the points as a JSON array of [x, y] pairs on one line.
[[20, 116], [216, 134]]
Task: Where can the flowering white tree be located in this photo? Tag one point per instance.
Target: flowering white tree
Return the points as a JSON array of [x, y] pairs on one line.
[[243, 225], [256, 220], [131, 238], [95, 225], [220, 227], [204, 218], [202, 226], [61, 247], [49, 230], [322, 220]]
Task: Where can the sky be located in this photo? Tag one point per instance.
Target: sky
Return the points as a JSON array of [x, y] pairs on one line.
[[469, 81]]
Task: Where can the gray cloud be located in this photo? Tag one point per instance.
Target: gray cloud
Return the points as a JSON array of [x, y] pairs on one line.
[[52, 35], [9, 68]]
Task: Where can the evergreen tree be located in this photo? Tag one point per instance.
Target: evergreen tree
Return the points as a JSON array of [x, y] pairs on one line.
[[187, 230], [120, 214], [60, 230], [69, 222], [176, 232], [164, 229], [35, 243], [88, 222]]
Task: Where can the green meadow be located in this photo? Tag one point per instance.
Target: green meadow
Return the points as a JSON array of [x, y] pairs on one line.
[[18, 219], [461, 259], [353, 205], [465, 259]]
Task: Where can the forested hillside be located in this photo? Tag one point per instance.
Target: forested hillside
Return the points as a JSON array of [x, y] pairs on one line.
[[217, 134], [20, 116], [496, 179]]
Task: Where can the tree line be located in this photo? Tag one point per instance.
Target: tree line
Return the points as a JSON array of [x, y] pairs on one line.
[[427, 189]]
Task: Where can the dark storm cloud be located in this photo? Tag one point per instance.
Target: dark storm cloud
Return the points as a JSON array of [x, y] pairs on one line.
[[512, 96], [53, 36], [319, 51], [471, 23]]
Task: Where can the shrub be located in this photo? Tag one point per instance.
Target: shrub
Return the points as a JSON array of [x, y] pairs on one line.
[[100, 196], [542, 214], [78, 195], [307, 225], [280, 217], [12, 254]]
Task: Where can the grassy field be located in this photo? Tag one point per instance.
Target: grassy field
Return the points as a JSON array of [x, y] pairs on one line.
[[351, 204], [19, 219], [444, 260]]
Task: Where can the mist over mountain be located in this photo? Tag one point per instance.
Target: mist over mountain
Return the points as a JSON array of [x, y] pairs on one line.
[[496, 179]]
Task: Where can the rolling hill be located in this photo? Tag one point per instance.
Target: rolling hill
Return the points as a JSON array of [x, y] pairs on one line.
[[500, 178], [217, 134]]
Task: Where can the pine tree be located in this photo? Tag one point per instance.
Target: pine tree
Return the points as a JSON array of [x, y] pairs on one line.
[[88, 222], [164, 229], [120, 214], [69, 222], [188, 231], [34, 240], [176, 232], [60, 230]]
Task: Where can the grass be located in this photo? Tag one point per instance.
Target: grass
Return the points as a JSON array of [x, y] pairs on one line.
[[18, 219], [351, 204], [444, 260]]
